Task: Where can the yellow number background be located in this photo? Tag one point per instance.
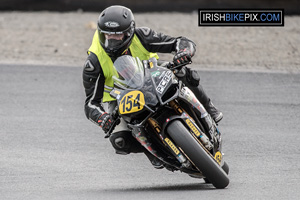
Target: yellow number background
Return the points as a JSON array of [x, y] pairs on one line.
[[132, 102]]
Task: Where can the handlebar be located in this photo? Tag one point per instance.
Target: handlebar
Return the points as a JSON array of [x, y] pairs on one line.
[[172, 66]]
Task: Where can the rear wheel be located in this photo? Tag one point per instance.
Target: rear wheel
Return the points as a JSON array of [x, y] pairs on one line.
[[201, 159]]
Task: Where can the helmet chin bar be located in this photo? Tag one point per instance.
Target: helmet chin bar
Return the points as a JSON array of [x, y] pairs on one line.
[[113, 44], [114, 53]]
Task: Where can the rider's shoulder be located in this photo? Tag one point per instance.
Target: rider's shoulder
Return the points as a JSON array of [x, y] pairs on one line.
[[92, 64], [143, 31]]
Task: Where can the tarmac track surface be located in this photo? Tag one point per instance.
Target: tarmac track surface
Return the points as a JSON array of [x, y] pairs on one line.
[[49, 150]]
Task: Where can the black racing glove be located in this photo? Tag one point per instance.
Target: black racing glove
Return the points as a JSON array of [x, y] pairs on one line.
[[105, 121], [183, 56]]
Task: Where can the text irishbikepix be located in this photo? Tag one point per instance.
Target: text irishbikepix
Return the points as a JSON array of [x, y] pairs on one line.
[[241, 17]]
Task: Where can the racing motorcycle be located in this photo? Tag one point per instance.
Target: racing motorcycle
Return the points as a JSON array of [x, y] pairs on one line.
[[167, 119]]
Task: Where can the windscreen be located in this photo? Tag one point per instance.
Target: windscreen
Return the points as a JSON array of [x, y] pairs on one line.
[[130, 72]]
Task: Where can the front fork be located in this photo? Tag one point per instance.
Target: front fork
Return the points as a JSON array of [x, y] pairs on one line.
[[198, 134], [187, 95], [192, 126]]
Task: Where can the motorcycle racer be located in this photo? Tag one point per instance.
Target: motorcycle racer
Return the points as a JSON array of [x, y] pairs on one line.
[[117, 35]]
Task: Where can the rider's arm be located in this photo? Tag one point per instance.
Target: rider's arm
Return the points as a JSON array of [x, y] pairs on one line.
[[93, 82], [159, 42]]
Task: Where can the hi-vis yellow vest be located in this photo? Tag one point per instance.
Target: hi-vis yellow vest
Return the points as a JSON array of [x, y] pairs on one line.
[[136, 49]]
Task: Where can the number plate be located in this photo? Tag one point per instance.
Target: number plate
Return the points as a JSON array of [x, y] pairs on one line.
[[164, 82], [132, 102]]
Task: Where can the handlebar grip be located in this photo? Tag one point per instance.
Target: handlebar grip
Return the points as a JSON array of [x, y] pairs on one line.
[[116, 118], [172, 66], [113, 126]]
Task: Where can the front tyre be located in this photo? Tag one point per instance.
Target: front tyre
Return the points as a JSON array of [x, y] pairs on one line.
[[202, 160], [225, 167]]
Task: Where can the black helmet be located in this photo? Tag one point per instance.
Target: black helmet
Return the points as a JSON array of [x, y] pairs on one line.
[[116, 29]]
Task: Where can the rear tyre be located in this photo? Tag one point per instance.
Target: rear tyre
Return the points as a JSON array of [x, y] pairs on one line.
[[204, 162]]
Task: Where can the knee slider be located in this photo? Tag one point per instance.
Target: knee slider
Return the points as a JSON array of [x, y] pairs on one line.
[[120, 142], [124, 143]]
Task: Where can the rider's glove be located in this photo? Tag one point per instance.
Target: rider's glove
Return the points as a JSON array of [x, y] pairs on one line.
[[105, 121], [183, 56]]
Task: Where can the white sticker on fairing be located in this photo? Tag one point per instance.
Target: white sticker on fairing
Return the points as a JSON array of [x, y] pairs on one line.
[[164, 82], [162, 74]]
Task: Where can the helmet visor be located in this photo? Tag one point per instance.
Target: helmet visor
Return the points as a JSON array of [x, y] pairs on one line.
[[113, 41]]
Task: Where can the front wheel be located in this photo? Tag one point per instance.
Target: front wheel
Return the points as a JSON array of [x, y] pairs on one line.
[[225, 167], [201, 159]]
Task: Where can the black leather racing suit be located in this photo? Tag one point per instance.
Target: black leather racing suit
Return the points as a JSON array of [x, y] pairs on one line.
[[93, 78]]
